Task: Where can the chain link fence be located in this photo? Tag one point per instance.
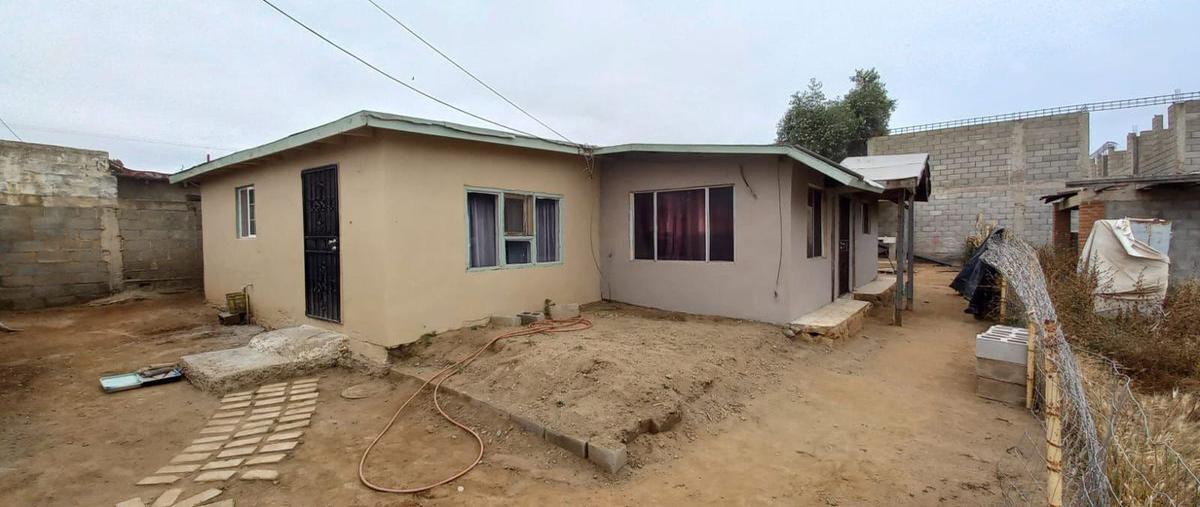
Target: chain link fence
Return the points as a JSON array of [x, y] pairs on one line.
[[1099, 445]]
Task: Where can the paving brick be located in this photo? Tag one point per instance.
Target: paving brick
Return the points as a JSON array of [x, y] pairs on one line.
[[301, 410], [218, 429], [269, 401], [265, 459], [282, 446], [574, 445], [167, 498], [302, 397], [199, 498], [158, 479], [306, 403], [221, 421], [272, 410], [228, 463], [241, 393], [244, 441], [132, 502], [229, 413], [251, 431], [236, 451], [294, 417], [609, 458], [190, 457], [260, 475], [202, 447], [287, 435], [292, 426], [206, 440], [177, 469], [234, 399], [215, 475], [242, 404], [255, 424], [273, 386], [259, 417]]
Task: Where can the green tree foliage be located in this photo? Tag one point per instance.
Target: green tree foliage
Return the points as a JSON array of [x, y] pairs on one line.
[[837, 128]]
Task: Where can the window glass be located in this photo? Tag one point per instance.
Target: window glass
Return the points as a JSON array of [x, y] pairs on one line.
[[481, 225], [680, 224], [516, 251], [246, 227], [816, 199], [516, 215], [643, 225], [720, 224], [547, 230]]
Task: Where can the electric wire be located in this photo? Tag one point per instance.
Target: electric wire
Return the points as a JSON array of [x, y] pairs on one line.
[[10, 130], [467, 72], [394, 78]]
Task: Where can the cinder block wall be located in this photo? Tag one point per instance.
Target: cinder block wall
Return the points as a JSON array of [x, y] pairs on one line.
[[997, 169], [1183, 210], [70, 233], [58, 238], [1173, 148]]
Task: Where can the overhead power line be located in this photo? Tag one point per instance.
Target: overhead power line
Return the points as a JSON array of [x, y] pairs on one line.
[[10, 130], [394, 78], [467, 72]]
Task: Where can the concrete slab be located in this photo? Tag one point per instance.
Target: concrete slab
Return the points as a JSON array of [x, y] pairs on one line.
[[1013, 394], [838, 320], [878, 291], [1003, 371], [199, 498], [279, 354], [167, 498]]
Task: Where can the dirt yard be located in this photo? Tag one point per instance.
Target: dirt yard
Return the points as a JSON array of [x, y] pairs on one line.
[[888, 418]]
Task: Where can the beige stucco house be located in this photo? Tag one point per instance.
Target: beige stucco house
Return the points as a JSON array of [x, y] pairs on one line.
[[386, 227]]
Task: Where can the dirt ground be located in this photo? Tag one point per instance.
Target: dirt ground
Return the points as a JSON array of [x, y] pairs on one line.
[[888, 418]]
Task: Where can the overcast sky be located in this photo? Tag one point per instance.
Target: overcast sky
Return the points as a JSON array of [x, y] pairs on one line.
[[232, 74]]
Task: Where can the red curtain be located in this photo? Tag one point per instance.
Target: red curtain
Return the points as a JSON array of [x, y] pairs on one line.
[[681, 225]]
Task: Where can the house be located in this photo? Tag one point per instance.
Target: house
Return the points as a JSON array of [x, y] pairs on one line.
[[387, 228]]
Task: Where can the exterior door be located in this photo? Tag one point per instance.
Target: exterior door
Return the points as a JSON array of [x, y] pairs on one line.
[[843, 253], [322, 261]]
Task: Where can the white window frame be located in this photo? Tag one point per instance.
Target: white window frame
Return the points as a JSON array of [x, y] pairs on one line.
[[249, 229], [501, 257], [707, 225]]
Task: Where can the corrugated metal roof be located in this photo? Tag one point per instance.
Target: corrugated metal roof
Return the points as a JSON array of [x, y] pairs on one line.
[[889, 167]]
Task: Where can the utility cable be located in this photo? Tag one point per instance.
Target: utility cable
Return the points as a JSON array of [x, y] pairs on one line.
[[394, 78], [10, 130], [467, 72]]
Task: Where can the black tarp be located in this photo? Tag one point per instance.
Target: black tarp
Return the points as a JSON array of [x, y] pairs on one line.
[[977, 281]]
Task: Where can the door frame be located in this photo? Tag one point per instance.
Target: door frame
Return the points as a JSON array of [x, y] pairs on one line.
[[845, 223]]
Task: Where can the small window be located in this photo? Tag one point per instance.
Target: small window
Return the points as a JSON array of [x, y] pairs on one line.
[[683, 225], [866, 218], [512, 229], [816, 236], [246, 224]]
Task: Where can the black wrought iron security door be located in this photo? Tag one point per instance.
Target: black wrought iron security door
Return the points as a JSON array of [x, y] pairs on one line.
[[322, 261]]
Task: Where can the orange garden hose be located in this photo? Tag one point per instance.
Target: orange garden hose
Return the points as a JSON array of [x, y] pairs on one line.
[[545, 326]]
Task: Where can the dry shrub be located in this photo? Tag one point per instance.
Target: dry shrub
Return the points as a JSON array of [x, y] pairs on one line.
[[983, 229], [1152, 441], [1160, 349]]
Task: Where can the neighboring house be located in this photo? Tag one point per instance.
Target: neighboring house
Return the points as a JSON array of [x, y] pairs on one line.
[[387, 227]]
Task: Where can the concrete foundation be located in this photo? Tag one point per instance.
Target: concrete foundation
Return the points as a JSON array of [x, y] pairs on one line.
[[269, 357], [839, 320]]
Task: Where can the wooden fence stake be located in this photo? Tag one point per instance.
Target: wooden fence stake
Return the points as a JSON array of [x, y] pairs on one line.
[[1054, 480], [1030, 359]]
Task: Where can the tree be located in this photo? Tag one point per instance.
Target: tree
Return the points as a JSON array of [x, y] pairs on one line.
[[836, 128]]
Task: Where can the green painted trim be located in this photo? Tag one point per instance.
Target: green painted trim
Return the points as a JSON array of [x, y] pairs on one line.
[[821, 164], [384, 121]]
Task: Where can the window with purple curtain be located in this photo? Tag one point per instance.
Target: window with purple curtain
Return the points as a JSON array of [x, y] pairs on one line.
[[681, 226], [546, 215], [481, 226]]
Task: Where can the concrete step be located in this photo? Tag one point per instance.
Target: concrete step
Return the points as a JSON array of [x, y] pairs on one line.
[[878, 291], [839, 320], [269, 357]]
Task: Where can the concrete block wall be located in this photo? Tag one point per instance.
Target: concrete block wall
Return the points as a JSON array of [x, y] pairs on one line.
[[997, 169], [1182, 209], [66, 230], [1173, 148]]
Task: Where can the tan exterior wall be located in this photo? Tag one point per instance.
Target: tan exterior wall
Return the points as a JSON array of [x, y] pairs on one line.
[[403, 235], [866, 250], [770, 228]]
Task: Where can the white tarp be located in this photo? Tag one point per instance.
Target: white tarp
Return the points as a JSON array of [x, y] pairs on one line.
[[1130, 272]]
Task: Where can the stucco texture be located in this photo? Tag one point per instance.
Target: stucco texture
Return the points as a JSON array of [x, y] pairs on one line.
[[770, 279], [403, 235]]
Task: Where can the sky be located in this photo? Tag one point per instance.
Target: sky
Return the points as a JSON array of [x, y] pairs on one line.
[[161, 84]]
